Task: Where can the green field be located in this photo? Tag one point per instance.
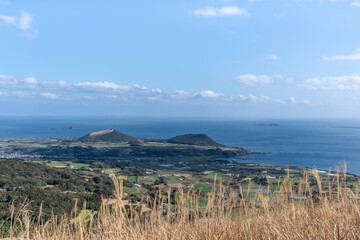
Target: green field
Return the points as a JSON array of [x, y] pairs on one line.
[[132, 179], [79, 165], [111, 170], [57, 165]]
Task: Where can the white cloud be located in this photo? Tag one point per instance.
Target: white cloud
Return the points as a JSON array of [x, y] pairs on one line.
[[30, 80], [223, 11], [101, 85], [3, 94], [208, 11], [329, 83], [355, 4], [21, 94], [8, 19], [253, 98], [232, 10], [49, 95], [337, 0], [266, 99], [208, 94], [156, 90], [63, 84], [31, 88], [7, 81], [253, 80], [355, 56], [295, 101], [23, 22], [273, 57], [181, 92]]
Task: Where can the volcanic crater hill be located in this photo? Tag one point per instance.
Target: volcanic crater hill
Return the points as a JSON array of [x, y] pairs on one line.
[[195, 139], [109, 135], [112, 135]]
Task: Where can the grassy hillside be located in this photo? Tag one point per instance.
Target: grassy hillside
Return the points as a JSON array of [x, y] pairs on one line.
[[107, 136], [118, 137], [54, 188], [195, 139], [328, 211]]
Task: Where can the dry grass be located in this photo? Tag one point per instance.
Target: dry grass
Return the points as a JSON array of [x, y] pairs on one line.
[[330, 212]]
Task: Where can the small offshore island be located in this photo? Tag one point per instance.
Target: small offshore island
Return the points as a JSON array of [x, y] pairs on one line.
[[56, 172]]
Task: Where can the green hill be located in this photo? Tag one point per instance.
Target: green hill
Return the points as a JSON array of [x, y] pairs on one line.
[[110, 135], [56, 189], [195, 139]]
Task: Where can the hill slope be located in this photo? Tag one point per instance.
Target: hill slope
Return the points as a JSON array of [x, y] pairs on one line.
[[55, 189], [195, 139], [110, 135]]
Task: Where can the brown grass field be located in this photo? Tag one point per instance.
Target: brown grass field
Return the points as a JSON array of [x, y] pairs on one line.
[[329, 210]]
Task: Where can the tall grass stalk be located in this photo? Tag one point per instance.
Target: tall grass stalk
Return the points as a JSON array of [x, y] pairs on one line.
[[329, 211]]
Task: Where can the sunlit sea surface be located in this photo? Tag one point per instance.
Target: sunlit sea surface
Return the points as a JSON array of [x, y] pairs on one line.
[[311, 143]]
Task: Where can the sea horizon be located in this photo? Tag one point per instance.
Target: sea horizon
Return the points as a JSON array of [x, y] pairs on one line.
[[320, 143]]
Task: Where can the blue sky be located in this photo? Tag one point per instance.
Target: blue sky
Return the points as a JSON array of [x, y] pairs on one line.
[[189, 58]]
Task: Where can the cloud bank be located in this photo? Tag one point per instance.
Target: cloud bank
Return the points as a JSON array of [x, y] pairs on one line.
[[355, 4], [31, 88], [355, 56], [223, 11], [330, 83], [254, 80]]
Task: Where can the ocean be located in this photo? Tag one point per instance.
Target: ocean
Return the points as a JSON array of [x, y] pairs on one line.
[[320, 143]]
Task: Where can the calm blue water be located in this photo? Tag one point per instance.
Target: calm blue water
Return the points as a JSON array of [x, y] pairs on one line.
[[311, 143]]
